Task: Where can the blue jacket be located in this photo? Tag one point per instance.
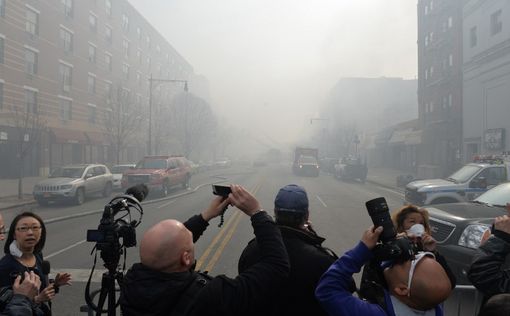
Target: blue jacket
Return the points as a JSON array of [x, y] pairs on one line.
[[333, 290]]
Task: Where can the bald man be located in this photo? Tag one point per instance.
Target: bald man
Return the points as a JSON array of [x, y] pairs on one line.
[[165, 283], [414, 287]]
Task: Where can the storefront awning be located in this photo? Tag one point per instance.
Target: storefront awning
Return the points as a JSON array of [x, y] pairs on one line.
[[405, 137], [70, 136], [97, 138]]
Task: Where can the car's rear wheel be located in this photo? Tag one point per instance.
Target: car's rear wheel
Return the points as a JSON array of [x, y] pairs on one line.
[[42, 202], [79, 197], [107, 189]]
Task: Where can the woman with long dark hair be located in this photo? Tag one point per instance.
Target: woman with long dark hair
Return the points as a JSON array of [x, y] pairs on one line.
[[23, 253]]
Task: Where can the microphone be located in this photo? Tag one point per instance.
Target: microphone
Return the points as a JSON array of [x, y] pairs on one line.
[[139, 191], [46, 271]]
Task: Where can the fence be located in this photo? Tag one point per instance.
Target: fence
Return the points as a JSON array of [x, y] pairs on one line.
[[465, 300]]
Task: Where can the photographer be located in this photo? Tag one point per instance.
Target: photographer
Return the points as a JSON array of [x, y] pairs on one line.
[[308, 258], [486, 272], [414, 286], [165, 283]]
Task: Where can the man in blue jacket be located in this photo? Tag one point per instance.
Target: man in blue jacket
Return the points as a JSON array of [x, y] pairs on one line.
[[414, 287]]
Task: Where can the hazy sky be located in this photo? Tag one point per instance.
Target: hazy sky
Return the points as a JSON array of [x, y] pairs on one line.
[[271, 63]]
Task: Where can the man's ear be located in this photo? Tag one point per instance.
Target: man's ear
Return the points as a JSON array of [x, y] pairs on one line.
[[186, 259]]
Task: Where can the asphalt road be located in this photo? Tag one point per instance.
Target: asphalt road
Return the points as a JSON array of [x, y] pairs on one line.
[[337, 212]]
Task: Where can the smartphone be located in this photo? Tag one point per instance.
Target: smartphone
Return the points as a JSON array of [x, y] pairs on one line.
[[221, 190]]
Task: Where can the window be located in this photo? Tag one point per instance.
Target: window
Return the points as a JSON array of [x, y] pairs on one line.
[[31, 101], [431, 107], [450, 22], [473, 37], [125, 71], [1, 49], [148, 62], [125, 22], [108, 34], [431, 71], [66, 40], [108, 6], [125, 46], [108, 61], [67, 7], [496, 23], [93, 22], [431, 5], [138, 78], [139, 33], [426, 40], [450, 100], [2, 7], [92, 53], [139, 56], [30, 61], [108, 91], [426, 9], [65, 109], [444, 103], [450, 60], [66, 75], [148, 39], [91, 117], [91, 84], [32, 21], [426, 74], [139, 100]]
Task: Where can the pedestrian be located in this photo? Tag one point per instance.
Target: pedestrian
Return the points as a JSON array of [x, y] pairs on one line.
[[413, 287], [23, 253], [308, 258], [165, 282]]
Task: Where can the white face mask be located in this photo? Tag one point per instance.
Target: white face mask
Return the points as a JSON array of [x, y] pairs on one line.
[[14, 250], [417, 230]]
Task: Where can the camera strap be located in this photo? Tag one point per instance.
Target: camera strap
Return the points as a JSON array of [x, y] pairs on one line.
[[190, 293]]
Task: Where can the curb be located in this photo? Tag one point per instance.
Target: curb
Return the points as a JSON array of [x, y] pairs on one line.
[[33, 202]]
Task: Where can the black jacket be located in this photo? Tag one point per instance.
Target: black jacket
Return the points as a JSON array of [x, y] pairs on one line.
[[308, 261], [486, 272], [149, 292], [20, 305]]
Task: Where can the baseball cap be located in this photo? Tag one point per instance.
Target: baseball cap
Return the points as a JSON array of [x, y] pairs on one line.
[[291, 197]]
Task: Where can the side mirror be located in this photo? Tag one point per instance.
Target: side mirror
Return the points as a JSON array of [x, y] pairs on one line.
[[88, 175]]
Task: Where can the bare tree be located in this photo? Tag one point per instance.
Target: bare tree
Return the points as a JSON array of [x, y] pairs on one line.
[[122, 120], [192, 122], [29, 126]]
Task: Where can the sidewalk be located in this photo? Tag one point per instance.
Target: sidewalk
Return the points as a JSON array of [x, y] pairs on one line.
[[386, 177], [9, 192]]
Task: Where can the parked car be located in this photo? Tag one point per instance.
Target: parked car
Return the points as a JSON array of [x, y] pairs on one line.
[[117, 172], [351, 168], [223, 163], [159, 173], [74, 182], [459, 227]]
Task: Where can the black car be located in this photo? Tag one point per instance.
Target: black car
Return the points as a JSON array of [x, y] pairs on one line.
[[459, 227]]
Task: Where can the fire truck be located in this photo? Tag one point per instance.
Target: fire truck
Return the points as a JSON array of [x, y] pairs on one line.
[[306, 162]]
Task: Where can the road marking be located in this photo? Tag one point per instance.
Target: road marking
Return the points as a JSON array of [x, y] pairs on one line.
[[320, 200], [65, 249], [392, 191], [225, 241], [167, 203]]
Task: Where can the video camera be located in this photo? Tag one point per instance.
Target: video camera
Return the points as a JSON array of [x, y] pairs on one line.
[[390, 247]]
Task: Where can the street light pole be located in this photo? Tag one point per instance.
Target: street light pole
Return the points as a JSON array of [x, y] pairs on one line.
[[158, 80]]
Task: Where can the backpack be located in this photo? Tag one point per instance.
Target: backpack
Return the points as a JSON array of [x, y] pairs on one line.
[[187, 298]]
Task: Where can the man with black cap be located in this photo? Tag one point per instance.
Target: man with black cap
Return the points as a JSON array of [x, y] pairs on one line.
[[308, 259]]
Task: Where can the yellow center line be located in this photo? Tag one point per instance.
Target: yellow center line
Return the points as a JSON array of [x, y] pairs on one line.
[[215, 241], [227, 238]]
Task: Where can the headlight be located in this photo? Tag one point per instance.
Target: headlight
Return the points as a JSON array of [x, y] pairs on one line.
[[66, 187], [472, 235]]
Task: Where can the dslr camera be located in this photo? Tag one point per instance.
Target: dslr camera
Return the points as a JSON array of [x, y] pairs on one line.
[[390, 247]]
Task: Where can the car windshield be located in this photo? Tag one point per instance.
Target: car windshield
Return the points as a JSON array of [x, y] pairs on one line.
[[120, 169], [68, 172], [307, 159], [499, 195], [152, 164], [464, 174]]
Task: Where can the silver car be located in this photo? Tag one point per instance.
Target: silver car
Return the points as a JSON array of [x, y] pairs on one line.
[[117, 172], [74, 182]]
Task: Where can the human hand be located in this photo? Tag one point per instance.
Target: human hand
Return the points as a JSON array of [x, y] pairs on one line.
[[29, 287], [428, 242], [46, 295], [244, 200], [216, 207], [502, 223], [371, 236], [62, 279]]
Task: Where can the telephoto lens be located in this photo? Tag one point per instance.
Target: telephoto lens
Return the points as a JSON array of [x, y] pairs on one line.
[[380, 214]]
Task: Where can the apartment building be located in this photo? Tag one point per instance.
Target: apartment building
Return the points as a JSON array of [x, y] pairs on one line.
[[62, 60]]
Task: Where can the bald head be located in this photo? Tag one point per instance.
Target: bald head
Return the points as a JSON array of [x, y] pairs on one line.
[[167, 247], [430, 284]]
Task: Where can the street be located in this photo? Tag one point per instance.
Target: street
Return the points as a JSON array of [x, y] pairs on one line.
[[337, 212]]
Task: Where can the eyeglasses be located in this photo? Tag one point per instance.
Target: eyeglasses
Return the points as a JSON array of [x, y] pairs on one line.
[[414, 263], [25, 229]]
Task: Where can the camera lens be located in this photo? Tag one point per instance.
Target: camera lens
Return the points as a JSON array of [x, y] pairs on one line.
[[380, 214]]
